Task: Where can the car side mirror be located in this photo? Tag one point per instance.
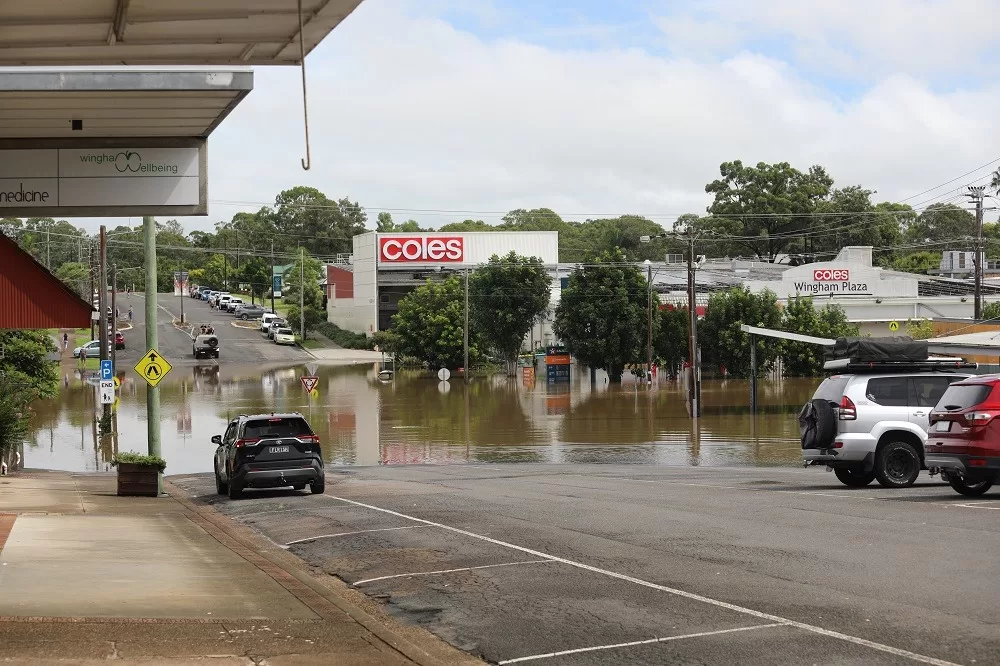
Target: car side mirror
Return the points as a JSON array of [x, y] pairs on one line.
[[217, 439]]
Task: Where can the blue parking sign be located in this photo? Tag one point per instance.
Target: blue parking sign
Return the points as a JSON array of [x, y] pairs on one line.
[[106, 370]]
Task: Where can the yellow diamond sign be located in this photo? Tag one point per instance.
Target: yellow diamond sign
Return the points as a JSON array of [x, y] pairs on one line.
[[152, 367]]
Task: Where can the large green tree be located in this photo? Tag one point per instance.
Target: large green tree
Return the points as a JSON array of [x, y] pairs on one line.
[[430, 324], [255, 273], [946, 224], [76, 276], [323, 226], [721, 338], [800, 359], [765, 206], [26, 374], [670, 344], [602, 314], [506, 296], [310, 269]]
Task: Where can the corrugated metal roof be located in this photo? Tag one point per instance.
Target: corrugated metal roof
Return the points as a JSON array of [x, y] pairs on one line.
[[32, 297]]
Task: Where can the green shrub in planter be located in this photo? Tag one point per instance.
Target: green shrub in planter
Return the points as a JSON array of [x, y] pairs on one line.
[[131, 458], [138, 475]]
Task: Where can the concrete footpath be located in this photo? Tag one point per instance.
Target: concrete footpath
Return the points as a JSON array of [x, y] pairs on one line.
[[87, 576]]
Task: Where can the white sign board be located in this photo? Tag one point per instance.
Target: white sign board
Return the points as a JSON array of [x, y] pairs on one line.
[[107, 391], [87, 181]]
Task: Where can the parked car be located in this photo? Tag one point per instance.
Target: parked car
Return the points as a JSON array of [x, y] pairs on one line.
[[873, 426], [205, 291], [206, 345], [248, 311], [232, 304], [273, 327], [212, 295], [93, 349], [266, 319], [119, 340], [964, 439], [222, 299], [284, 336], [268, 451]]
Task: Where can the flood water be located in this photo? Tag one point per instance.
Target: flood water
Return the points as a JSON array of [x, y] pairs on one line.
[[415, 419]]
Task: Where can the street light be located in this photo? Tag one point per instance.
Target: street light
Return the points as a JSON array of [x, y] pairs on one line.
[[649, 319]]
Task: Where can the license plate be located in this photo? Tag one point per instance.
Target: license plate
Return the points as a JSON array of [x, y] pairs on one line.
[[942, 426], [279, 449]]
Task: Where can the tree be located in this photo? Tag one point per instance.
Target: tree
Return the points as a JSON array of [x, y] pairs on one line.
[[849, 218], [324, 227], [765, 205], [919, 329], [216, 271], [384, 223], [26, 374], [801, 359], [991, 311], [723, 341], [430, 324], [256, 274], [995, 181], [466, 226], [917, 262], [601, 317], [76, 276], [506, 296], [944, 224], [313, 269], [670, 344], [313, 317]]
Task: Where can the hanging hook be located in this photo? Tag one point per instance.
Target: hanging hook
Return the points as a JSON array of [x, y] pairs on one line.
[[307, 162]]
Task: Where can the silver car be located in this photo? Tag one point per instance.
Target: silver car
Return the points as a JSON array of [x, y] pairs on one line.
[[873, 426]]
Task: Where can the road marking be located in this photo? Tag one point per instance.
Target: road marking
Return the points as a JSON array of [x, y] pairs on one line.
[[975, 505], [663, 588], [444, 571], [339, 534], [648, 641]]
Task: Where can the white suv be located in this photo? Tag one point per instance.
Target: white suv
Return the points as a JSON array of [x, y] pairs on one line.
[[873, 426]]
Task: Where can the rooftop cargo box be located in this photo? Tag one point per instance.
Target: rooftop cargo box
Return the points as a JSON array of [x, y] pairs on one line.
[[867, 350]]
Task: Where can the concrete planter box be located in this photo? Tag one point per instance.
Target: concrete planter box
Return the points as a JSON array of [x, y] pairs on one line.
[[138, 480]]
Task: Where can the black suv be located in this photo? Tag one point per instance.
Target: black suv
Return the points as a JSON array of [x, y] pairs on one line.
[[268, 451]]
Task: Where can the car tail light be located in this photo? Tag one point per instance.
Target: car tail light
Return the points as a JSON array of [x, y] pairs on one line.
[[309, 438], [980, 418], [848, 412], [240, 443], [977, 462]]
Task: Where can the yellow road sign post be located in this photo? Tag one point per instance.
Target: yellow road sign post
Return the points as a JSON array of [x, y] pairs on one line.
[[152, 367], [893, 326]]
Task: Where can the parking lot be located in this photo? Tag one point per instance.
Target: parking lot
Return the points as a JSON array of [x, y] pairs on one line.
[[602, 564]]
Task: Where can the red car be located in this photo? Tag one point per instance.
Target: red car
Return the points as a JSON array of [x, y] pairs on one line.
[[964, 436], [119, 340]]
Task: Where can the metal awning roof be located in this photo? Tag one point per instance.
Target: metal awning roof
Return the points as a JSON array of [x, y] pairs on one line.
[[134, 103], [158, 32]]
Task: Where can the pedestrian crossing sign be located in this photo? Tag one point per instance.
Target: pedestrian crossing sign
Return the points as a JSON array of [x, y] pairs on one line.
[[152, 367]]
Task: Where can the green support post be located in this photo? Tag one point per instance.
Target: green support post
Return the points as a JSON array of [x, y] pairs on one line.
[[152, 342]]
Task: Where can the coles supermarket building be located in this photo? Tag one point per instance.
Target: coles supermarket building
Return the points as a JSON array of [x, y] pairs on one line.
[[364, 294]]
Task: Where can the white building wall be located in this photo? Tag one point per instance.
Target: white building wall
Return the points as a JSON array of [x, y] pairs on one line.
[[359, 314]]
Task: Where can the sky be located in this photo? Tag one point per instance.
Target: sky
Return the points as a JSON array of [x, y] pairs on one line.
[[441, 110]]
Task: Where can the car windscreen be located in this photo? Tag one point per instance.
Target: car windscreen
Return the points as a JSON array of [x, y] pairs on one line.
[[963, 396], [285, 331], [832, 388], [276, 427]]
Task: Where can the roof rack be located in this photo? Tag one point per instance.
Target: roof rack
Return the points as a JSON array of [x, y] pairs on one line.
[[927, 365]]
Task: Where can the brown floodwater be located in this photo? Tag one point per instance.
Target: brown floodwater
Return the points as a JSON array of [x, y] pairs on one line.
[[417, 419]]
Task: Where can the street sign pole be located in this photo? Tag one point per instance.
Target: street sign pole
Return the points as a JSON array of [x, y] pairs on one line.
[[152, 342]]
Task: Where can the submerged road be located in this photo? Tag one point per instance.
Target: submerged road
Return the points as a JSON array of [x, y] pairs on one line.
[[608, 564]]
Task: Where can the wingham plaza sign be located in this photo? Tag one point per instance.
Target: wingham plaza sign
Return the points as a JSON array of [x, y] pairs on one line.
[[103, 181]]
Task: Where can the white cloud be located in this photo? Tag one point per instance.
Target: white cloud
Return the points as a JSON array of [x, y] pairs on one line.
[[408, 113]]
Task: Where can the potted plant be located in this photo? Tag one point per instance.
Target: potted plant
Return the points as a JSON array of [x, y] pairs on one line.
[[138, 475]]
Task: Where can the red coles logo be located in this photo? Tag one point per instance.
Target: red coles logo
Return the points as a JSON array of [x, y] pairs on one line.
[[831, 275], [412, 249]]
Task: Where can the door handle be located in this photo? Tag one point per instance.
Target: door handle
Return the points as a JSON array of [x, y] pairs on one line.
[[919, 413]]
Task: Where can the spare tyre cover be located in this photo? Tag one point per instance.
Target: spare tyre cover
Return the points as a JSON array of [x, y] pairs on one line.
[[817, 424], [212, 342]]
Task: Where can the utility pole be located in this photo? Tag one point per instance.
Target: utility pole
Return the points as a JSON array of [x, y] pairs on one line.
[[976, 194], [465, 338], [92, 290], [695, 387], [103, 299], [152, 342], [272, 276], [649, 320], [48, 251], [225, 264], [302, 294], [114, 310]]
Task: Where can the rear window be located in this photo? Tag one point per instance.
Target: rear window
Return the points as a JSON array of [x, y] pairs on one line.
[[276, 427], [832, 389], [285, 331], [959, 396]]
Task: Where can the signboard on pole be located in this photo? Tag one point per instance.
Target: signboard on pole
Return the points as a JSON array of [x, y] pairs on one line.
[[309, 383], [107, 390], [107, 371], [276, 285], [152, 367], [180, 282]]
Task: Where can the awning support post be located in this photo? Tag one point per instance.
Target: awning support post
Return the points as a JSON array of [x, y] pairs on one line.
[[753, 373]]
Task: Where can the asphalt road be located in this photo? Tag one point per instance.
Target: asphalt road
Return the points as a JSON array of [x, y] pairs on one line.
[[237, 345], [605, 564]]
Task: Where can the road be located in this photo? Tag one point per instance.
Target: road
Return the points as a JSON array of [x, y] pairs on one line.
[[608, 564], [238, 345]]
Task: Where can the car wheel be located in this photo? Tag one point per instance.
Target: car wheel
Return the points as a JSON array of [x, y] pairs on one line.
[[855, 477], [220, 487], [235, 491], [970, 487], [318, 487], [897, 465]]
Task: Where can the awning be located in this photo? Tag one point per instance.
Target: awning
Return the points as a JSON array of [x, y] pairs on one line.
[[37, 104], [163, 32]]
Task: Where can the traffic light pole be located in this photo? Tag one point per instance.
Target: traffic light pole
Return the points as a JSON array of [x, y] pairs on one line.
[[152, 342]]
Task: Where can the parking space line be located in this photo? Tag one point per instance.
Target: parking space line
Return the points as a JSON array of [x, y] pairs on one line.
[[340, 534], [445, 571], [857, 640], [976, 505], [648, 641]]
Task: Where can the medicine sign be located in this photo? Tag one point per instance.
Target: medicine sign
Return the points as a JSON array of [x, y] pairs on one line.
[[103, 180]]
